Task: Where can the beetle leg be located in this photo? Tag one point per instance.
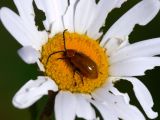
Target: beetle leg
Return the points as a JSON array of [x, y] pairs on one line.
[[74, 71], [81, 76], [62, 58]]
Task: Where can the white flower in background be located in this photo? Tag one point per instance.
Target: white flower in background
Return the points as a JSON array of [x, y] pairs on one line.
[[119, 60]]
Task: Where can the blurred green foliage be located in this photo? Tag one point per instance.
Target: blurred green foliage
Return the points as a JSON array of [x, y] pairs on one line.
[[14, 72]]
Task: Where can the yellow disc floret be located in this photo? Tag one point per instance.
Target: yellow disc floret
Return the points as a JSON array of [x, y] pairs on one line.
[[58, 67]]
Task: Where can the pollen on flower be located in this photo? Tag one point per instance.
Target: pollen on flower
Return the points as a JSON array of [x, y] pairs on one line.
[[62, 72]]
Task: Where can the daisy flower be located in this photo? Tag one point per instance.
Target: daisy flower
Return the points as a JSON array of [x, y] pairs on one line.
[[84, 76]]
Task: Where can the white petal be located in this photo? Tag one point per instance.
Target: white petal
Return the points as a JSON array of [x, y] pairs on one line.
[[57, 26], [40, 65], [47, 6], [65, 106], [23, 33], [141, 14], [134, 66], [127, 111], [124, 43], [104, 96], [106, 111], [15, 26], [98, 118], [143, 95], [140, 49], [26, 11], [110, 95], [109, 86], [99, 17], [52, 8], [84, 109], [69, 16], [117, 103], [46, 24], [32, 91], [29, 54], [60, 7], [82, 15], [27, 15], [114, 44], [115, 91]]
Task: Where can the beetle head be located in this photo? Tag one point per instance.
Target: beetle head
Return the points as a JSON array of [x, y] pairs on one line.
[[70, 53]]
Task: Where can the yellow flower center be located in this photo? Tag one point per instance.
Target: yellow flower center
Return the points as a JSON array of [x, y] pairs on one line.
[[60, 68]]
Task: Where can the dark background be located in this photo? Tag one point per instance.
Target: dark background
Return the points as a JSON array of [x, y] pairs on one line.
[[14, 72]]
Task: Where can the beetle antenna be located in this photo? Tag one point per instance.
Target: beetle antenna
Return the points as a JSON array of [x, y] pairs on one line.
[[53, 54], [64, 39]]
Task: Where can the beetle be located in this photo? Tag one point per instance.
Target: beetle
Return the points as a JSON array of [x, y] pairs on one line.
[[81, 63]]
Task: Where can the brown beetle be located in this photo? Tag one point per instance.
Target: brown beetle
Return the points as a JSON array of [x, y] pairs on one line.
[[80, 62]]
